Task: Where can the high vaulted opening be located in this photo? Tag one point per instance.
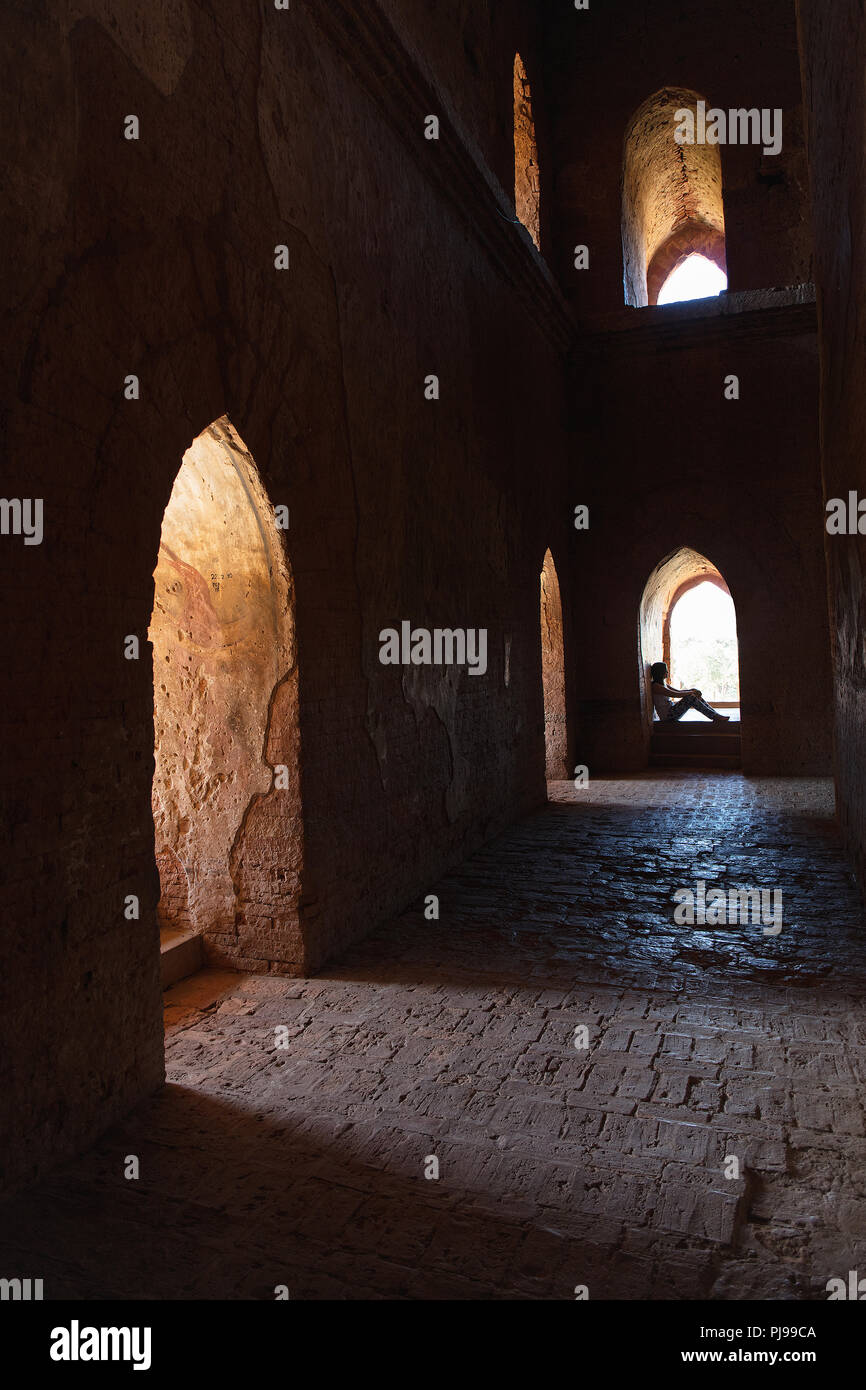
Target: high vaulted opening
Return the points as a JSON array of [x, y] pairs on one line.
[[225, 776], [672, 198]]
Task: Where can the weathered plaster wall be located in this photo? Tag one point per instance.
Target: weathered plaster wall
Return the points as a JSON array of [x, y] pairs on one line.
[[833, 41], [156, 257]]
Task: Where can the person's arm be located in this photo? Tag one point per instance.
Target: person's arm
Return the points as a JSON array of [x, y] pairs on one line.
[[670, 690]]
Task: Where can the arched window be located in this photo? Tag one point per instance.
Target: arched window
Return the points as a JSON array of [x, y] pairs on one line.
[[553, 673], [688, 620], [673, 212], [223, 642], [527, 187]]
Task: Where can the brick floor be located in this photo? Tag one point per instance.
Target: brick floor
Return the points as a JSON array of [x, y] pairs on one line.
[[558, 1166]]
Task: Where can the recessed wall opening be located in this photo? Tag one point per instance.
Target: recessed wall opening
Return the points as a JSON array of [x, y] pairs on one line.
[[553, 673], [527, 184], [672, 199], [223, 644], [688, 620]]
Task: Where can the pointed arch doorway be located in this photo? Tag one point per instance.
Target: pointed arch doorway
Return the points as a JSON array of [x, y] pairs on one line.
[[226, 802]]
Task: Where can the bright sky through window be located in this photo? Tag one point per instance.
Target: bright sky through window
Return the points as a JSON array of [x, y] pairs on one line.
[[704, 642], [694, 278], [703, 611]]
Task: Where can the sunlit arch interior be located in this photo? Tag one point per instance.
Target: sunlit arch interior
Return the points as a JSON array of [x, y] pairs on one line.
[[527, 186], [223, 641], [553, 671]]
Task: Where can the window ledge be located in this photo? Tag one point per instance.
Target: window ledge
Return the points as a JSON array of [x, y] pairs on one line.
[[780, 311]]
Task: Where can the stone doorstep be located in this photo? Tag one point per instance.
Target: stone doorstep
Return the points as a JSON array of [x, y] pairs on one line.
[[180, 955]]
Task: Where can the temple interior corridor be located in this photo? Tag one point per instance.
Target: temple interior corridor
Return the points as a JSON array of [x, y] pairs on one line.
[[433, 680]]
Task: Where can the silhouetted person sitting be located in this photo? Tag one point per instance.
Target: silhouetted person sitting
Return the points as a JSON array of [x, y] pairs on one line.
[[689, 699]]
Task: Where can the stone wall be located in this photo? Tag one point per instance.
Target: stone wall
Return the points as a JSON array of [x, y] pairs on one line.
[[833, 39]]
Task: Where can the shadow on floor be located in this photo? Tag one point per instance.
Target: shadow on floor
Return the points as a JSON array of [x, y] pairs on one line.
[[230, 1205]]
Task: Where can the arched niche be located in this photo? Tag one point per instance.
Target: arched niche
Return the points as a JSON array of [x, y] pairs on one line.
[[225, 789], [678, 573], [672, 205]]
